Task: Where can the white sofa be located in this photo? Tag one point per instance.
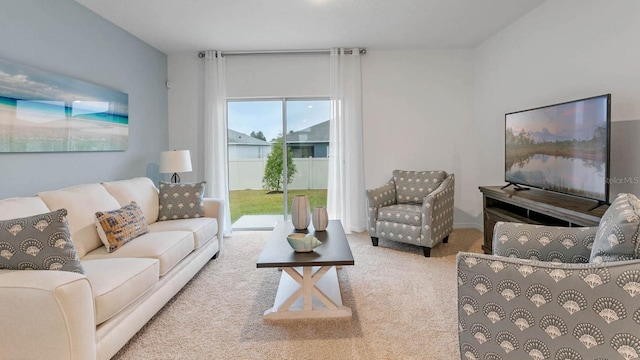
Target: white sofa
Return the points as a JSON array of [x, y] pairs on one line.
[[65, 315]]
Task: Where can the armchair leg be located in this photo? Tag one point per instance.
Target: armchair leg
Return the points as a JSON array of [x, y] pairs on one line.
[[445, 240], [427, 251], [374, 240]]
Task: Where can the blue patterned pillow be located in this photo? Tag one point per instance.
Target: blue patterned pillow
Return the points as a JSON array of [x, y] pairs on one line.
[[617, 236], [39, 242]]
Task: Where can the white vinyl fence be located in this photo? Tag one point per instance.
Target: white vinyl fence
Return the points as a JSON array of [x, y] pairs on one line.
[[246, 174]]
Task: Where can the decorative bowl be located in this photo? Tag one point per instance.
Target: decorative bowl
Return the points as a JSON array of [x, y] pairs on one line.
[[303, 242]]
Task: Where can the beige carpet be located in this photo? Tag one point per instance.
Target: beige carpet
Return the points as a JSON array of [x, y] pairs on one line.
[[404, 307]]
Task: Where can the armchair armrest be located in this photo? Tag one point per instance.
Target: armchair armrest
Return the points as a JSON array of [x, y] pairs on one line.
[[519, 308], [437, 207], [545, 243], [46, 315], [384, 195]]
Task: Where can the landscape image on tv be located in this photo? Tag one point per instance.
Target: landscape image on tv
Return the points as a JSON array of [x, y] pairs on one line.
[[561, 147]]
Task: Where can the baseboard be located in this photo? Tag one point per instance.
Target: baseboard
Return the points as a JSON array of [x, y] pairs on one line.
[[468, 226]]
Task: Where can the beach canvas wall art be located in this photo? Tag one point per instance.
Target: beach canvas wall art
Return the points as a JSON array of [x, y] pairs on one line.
[[42, 111]]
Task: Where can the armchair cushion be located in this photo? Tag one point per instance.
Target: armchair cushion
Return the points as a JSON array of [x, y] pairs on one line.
[[413, 186], [617, 236], [401, 213]]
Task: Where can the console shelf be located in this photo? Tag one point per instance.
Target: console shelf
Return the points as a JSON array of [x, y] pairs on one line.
[[535, 206]]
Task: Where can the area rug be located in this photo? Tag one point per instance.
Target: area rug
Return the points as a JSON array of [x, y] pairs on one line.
[[403, 304]]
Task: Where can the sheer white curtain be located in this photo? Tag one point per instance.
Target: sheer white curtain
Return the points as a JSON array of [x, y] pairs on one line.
[[215, 132], [345, 190]]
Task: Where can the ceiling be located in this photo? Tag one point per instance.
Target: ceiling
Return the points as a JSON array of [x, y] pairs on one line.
[[174, 26]]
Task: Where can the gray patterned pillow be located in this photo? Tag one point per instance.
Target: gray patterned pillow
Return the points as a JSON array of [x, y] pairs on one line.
[[39, 242], [181, 201], [617, 236], [413, 186]]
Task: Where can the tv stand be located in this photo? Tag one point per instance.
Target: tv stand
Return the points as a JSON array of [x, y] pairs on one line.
[[535, 207], [516, 187], [600, 203]]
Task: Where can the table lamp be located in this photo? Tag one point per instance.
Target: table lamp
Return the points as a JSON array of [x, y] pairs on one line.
[[174, 162]]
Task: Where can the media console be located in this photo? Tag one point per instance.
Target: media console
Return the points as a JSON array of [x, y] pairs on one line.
[[535, 207]]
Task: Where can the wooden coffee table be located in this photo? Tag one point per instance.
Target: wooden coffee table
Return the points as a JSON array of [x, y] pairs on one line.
[[309, 283]]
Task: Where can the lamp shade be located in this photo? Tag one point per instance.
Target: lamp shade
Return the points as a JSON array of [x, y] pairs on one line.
[[175, 161]]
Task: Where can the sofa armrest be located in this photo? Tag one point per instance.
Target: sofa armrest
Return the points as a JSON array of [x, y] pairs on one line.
[[384, 195], [545, 243], [214, 208], [437, 210], [46, 315], [516, 307]]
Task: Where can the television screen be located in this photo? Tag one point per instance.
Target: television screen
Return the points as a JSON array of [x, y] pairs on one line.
[[562, 147]]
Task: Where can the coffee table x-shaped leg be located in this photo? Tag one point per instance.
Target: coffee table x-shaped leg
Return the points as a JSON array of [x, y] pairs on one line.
[[308, 292]]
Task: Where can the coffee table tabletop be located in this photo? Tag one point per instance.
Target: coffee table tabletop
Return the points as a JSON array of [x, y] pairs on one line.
[[334, 250]]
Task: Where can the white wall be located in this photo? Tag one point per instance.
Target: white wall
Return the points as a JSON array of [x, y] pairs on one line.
[[186, 109], [66, 38], [444, 109], [277, 75], [418, 105], [562, 50], [247, 76]]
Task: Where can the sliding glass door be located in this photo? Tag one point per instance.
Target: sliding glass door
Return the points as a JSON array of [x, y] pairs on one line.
[[262, 171]]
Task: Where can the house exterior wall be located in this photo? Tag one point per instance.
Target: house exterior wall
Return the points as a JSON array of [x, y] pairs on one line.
[[237, 151]]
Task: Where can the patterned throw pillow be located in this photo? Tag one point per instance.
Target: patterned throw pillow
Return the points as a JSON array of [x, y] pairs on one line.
[[181, 201], [413, 186], [118, 227], [617, 236], [39, 242]]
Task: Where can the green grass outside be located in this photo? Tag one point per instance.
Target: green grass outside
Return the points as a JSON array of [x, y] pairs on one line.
[[258, 202]]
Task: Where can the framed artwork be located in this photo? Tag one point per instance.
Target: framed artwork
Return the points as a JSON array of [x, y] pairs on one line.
[[42, 111]]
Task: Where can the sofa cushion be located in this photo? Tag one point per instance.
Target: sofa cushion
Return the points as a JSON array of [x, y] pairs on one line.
[[38, 242], [181, 201], [22, 207], [168, 247], [141, 190], [413, 186], [617, 235], [82, 202], [118, 227], [401, 213], [117, 283], [203, 229]]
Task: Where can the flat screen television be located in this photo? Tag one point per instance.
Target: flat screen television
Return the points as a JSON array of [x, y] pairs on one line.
[[562, 147]]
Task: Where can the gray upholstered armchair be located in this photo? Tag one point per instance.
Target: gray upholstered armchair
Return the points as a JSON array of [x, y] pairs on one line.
[[553, 292], [414, 207]]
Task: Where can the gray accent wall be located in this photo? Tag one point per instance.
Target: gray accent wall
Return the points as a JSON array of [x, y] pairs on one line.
[[64, 37]]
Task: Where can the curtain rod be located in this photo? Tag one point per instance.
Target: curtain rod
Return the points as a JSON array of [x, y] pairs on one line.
[[287, 52]]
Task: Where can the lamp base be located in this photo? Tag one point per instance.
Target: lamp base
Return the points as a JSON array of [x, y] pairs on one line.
[[175, 178]]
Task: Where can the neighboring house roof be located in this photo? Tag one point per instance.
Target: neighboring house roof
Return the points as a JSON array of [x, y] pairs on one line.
[[238, 138], [318, 133]]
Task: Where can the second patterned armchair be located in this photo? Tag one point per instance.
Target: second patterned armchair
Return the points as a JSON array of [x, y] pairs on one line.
[[414, 207], [554, 293]]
